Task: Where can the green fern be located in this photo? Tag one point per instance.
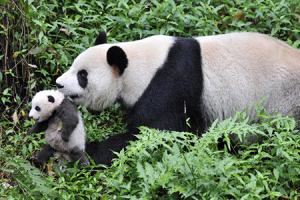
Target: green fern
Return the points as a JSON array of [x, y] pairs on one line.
[[29, 178]]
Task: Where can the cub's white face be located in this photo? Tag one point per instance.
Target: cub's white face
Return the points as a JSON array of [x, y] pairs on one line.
[[91, 81], [44, 103]]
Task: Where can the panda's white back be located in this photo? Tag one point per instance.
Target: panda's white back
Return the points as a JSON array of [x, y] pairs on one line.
[[242, 68]]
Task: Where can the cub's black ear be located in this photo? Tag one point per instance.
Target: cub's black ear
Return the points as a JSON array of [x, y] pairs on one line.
[[101, 39], [117, 57], [51, 99]]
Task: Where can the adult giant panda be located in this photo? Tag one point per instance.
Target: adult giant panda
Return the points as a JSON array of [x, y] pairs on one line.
[[164, 80]]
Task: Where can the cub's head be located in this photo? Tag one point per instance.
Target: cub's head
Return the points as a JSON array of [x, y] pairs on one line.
[[93, 80], [44, 103]]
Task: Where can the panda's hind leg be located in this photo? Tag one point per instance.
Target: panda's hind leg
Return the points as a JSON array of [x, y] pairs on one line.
[[43, 156], [77, 154]]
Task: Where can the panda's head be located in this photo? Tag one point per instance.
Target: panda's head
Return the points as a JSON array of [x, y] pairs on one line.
[[94, 77], [44, 103]]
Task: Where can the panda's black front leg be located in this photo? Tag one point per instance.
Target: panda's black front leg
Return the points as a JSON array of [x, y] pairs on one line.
[[102, 152], [68, 114], [44, 155], [77, 154], [38, 127], [68, 126]]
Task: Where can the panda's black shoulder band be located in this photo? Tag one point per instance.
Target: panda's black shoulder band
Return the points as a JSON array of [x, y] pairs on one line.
[[117, 57]]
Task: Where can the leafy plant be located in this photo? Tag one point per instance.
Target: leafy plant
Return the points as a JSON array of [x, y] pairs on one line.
[[28, 177], [180, 165], [176, 165], [101, 125]]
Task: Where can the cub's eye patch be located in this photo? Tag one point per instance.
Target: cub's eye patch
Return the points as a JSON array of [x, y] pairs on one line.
[[37, 108], [51, 99]]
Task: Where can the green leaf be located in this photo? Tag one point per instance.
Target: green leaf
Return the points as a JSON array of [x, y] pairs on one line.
[[141, 170], [276, 173], [6, 92], [35, 51]]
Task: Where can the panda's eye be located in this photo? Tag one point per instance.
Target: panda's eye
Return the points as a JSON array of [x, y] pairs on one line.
[[83, 73], [37, 108]]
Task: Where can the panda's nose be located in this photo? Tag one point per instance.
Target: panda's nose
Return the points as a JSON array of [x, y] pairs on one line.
[[59, 86]]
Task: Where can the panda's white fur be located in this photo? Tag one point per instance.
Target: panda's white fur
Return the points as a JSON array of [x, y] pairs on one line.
[[41, 100], [242, 68], [77, 138]]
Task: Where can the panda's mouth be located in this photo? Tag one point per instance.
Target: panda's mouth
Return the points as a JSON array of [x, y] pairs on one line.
[[74, 96]]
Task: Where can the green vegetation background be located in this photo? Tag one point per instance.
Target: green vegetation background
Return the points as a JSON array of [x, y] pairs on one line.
[[40, 39]]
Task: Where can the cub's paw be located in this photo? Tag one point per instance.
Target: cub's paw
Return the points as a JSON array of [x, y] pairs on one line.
[[36, 162], [29, 132]]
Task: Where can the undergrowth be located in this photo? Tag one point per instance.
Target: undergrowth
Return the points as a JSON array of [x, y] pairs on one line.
[[176, 165]]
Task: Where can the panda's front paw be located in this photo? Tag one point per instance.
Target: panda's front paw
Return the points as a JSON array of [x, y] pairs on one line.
[[65, 138], [85, 164], [32, 158], [29, 132], [36, 162]]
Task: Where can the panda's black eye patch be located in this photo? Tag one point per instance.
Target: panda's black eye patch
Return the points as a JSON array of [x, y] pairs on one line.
[[82, 73], [37, 108], [82, 78], [51, 99]]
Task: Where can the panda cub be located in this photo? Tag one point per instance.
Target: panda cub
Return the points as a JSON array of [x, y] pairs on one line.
[[58, 116]]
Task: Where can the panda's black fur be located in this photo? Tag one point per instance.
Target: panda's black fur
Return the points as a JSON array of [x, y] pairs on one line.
[[176, 91], [169, 99], [61, 111], [117, 57]]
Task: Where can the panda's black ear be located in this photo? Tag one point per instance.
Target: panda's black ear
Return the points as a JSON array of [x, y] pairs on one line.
[[51, 99], [101, 39], [116, 57]]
